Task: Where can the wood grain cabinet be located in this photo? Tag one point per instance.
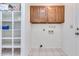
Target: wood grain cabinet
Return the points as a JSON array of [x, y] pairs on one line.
[[38, 14], [51, 14], [34, 16], [47, 14], [60, 14]]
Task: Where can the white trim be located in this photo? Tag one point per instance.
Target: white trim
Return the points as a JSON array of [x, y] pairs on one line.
[[1, 34], [24, 42]]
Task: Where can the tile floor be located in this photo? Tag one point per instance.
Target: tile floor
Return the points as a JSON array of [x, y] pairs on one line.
[[46, 52]]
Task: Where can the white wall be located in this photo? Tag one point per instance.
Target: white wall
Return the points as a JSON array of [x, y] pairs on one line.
[[63, 36], [48, 40], [77, 26], [69, 30], [28, 24], [38, 36], [25, 28]]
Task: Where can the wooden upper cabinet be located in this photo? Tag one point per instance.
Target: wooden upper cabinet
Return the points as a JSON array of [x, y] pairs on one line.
[[60, 14], [34, 16], [38, 14], [51, 14], [47, 14], [56, 14], [43, 14]]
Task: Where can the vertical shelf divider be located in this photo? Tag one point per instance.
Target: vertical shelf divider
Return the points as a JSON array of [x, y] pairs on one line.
[[1, 34], [12, 33]]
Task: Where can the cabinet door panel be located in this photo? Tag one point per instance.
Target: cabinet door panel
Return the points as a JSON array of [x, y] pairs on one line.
[[60, 14], [38, 14], [34, 14], [43, 14], [52, 14]]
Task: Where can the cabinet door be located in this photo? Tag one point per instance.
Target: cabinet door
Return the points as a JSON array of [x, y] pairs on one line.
[[51, 14], [60, 14], [43, 14], [34, 14], [38, 14]]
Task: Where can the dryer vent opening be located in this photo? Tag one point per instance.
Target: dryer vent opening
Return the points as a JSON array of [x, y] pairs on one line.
[[41, 46]]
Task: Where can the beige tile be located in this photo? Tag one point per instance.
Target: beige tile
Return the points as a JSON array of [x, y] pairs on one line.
[[46, 52]]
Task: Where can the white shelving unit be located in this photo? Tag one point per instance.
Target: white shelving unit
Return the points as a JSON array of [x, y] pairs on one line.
[[10, 21]]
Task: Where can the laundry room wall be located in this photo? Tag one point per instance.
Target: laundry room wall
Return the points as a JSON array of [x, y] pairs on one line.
[[48, 40], [69, 29], [63, 35]]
